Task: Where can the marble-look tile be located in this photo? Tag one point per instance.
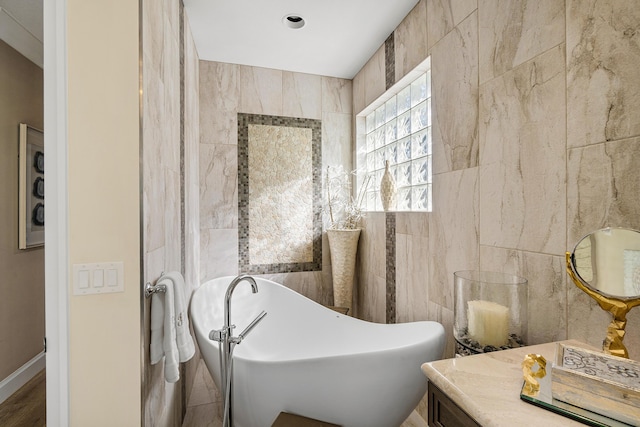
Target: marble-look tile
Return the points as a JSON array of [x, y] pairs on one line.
[[260, 91], [414, 420], [170, 75], [412, 299], [153, 264], [218, 253], [336, 141], [372, 243], [602, 188], [191, 165], [219, 102], [310, 284], [209, 415], [403, 301], [374, 76], [454, 79], [410, 40], [603, 88], [190, 371], [522, 157], [372, 298], [172, 222], [301, 95], [444, 15], [413, 223], [370, 269], [423, 408], [172, 17], [453, 232], [547, 283], [204, 389], [359, 99], [274, 277], [218, 186], [152, 16], [153, 206], [337, 95], [512, 33], [445, 317]]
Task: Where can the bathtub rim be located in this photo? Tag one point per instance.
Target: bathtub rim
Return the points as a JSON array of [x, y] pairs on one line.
[[433, 332]]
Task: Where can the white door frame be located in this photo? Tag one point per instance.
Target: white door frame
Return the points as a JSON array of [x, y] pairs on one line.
[[56, 252]]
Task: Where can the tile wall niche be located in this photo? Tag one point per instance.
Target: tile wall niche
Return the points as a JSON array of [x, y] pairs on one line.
[[229, 89], [536, 128], [170, 181]]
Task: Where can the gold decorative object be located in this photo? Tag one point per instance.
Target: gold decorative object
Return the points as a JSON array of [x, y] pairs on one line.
[[605, 264], [532, 386]]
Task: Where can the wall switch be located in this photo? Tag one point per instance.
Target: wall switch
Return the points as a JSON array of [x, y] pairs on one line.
[[98, 278], [83, 279], [112, 277]]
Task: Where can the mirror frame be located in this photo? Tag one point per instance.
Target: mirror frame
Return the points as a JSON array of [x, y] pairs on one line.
[[617, 306]]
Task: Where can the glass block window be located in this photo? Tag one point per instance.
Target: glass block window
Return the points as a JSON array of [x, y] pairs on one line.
[[399, 131]]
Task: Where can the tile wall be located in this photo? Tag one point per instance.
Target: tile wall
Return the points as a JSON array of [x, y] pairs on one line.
[[536, 128], [170, 182], [229, 89]]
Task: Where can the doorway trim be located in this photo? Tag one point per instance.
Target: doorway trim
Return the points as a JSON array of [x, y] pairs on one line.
[[56, 251]]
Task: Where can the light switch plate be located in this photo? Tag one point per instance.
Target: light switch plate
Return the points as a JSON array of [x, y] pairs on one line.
[[100, 274]]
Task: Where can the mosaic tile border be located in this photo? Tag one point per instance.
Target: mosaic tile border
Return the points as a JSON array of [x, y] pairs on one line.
[[390, 230], [244, 264], [390, 61], [182, 148]]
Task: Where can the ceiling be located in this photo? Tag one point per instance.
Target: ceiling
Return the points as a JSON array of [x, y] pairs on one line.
[[338, 39], [21, 27]]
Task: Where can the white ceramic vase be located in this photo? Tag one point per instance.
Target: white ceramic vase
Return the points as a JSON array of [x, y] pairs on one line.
[[343, 245], [388, 189]]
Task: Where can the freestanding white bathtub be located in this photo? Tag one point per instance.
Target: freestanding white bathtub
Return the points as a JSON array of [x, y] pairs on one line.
[[309, 360]]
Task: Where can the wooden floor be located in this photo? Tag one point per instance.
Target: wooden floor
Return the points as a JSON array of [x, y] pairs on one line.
[[26, 407]]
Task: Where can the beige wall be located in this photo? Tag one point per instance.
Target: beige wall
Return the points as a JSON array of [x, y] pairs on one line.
[[22, 287], [104, 209], [535, 134], [229, 89]]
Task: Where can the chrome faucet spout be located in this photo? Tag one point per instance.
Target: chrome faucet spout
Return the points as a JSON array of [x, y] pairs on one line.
[[225, 337], [227, 298]]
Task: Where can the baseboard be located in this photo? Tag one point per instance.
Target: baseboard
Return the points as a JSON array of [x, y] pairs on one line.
[[13, 382]]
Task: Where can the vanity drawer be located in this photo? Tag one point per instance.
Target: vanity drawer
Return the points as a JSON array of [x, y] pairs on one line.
[[443, 412]]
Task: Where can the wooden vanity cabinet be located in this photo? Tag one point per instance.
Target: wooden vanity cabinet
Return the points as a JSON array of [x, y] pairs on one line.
[[443, 412]]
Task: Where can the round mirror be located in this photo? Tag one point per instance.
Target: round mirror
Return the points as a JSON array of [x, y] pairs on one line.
[[608, 262], [606, 265]]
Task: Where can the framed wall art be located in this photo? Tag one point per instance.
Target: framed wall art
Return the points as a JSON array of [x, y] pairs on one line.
[[31, 188]]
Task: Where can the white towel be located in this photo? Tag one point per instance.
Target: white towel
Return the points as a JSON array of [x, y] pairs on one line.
[[157, 328], [170, 335], [184, 340]]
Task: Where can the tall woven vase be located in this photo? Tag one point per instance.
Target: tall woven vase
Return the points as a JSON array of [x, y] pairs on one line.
[[388, 189], [343, 245]]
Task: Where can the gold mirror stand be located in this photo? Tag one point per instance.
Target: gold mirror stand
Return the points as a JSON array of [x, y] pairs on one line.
[[612, 344]]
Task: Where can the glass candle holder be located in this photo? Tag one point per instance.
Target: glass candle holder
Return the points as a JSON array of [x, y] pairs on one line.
[[490, 312]]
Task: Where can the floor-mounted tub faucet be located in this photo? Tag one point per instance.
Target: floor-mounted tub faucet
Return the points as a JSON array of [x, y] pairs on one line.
[[228, 343]]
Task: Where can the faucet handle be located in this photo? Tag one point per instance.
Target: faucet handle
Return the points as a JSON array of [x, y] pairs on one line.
[[220, 334]]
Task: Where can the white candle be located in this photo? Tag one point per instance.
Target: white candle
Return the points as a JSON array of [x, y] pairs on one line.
[[488, 323]]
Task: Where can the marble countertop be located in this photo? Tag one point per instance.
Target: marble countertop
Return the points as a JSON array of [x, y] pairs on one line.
[[487, 386]]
